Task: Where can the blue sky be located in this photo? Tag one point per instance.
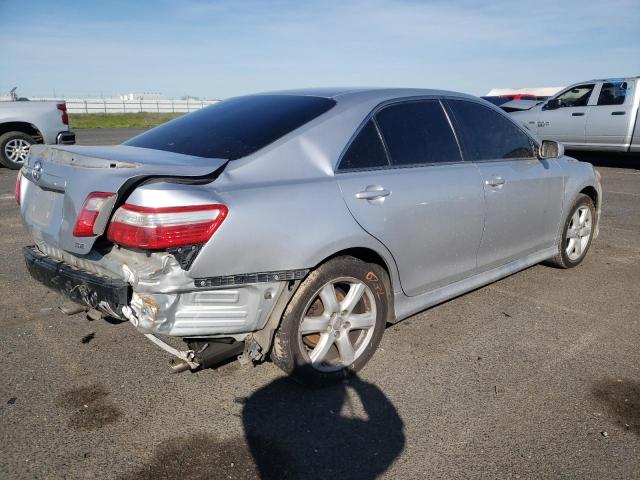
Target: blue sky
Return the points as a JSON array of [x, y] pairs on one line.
[[217, 49]]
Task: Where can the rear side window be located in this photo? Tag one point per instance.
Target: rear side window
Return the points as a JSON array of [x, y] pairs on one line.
[[612, 93], [366, 150], [418, 133], [234, 128], [488, 135]]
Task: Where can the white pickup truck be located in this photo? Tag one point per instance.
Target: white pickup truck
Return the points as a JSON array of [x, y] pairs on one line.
[[23, 123], [593, 115]]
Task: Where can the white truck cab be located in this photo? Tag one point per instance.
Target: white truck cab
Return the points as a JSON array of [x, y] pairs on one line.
[[593, 115]]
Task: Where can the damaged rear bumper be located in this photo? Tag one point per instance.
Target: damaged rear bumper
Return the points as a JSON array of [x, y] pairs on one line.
[[154, 294], [228, 311], [107, 294]]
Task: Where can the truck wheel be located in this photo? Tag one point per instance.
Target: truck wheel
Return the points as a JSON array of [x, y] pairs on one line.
[[576, 235], [14, 149], [334, 322]]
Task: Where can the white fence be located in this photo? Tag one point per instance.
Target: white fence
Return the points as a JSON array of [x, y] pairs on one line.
[[87, 105]]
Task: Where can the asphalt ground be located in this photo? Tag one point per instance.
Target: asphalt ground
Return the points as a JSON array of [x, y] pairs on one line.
[[535, 376]]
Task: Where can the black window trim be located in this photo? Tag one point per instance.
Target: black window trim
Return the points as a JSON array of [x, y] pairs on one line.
[[532, 139], [390, 166]]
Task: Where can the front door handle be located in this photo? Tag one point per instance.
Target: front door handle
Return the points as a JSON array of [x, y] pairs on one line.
[[577, 114], [495, 182], [373, 192], [617, 113]]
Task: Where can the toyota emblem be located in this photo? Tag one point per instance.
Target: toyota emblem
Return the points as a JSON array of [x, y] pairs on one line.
[[37, 170]]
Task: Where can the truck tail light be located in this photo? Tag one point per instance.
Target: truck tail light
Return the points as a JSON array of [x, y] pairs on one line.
[[91, 208], [160, 228], [18, 187], [63, 108]]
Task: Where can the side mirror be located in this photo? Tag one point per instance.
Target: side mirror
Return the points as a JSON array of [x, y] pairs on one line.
[[552, 104], [550, 149]]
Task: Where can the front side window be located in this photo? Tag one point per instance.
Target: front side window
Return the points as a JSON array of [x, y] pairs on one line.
[[576, 96], [418, 133], [612, 93], [234, 128], [488, 135], [366, 150]]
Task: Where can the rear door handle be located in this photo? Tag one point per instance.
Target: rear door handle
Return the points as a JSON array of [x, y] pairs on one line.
[[577, 114], [495, 182], [617, 113], [373, 192]]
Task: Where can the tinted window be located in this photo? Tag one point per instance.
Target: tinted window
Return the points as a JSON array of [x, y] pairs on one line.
[[366, 150], [612, 93], [576, 97], [487, 134], [418, 132], [234, 128]]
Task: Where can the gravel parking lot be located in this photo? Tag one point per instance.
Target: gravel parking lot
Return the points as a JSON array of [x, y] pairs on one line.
[[535, 376]]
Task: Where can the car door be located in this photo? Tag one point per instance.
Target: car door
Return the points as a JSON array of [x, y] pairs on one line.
[[564, 117], [404, 181], [608, 119], [523, 194]]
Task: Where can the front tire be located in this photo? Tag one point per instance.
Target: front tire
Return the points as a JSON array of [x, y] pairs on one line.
[[577, 234], [334, 322], [14, 149]]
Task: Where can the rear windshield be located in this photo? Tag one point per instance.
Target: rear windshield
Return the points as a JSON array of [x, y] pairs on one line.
[[234, 128]]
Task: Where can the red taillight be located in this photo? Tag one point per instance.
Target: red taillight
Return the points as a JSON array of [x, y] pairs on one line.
[[18, 187], [89, 213], [63, 108], [160, 228]]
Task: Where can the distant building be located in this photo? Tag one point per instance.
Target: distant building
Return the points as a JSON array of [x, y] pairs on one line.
[[141, 96], [537, 91]]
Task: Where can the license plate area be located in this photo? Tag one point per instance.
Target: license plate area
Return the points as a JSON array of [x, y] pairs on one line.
[[43, 207]]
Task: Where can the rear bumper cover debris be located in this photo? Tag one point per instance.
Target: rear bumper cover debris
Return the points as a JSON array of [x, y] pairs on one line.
[[107, 294], [155, 294]]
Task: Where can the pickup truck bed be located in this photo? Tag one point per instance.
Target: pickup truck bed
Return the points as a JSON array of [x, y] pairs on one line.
[[23, 123]]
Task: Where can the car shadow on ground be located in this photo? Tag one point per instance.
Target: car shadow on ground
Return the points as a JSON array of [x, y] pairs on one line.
[[348, 430], [608, 159]]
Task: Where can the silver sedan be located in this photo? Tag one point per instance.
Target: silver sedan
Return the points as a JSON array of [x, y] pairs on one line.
[[295, 225]]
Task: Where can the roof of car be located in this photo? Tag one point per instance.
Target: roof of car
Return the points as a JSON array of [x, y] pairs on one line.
[[347, 93]]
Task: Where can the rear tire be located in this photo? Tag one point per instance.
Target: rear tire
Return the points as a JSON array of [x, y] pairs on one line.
[[14, 149], [577, 234], [334, 322]]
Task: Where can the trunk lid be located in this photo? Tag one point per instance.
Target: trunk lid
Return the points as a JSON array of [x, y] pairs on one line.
[[57, 180]]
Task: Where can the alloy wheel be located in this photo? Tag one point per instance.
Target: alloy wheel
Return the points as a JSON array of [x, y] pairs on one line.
[[578, 233], [337, 324], [17, 150]]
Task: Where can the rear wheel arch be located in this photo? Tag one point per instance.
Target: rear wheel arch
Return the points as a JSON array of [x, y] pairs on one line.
[[368, 255], [341, 270], [23, 127], [364, 254]]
